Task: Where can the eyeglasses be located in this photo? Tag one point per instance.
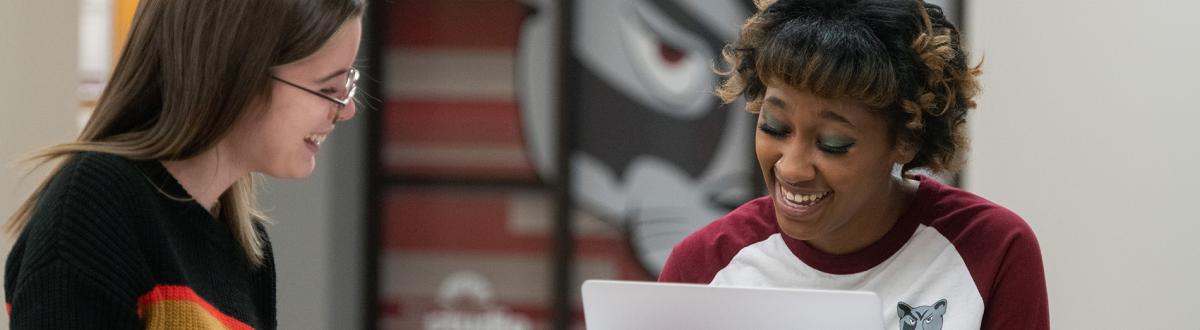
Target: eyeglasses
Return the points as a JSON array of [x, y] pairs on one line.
[[342, 100]]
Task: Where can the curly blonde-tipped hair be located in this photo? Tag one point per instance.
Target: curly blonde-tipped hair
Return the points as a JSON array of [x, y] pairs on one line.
[[902, 57]]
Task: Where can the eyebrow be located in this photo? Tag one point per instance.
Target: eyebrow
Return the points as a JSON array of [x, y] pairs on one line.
[[341, 72], [825, 113], [775, 101], [836, 117]]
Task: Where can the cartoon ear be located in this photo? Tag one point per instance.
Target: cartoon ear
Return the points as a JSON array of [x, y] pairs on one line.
[[940, 306], [903, 309]]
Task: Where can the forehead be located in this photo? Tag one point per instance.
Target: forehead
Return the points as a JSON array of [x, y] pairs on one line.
[[793, 101], [337, 52]]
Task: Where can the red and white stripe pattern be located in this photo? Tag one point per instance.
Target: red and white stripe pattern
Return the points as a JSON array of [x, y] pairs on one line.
[[504, 235], [451, 113], [451, 110]]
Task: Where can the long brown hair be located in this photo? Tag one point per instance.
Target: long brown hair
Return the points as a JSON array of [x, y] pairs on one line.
[[189, 70]]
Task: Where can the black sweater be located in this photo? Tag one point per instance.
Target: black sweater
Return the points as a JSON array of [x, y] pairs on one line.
[[106, 249]]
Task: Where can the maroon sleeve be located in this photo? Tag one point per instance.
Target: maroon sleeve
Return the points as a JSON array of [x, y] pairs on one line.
[[1000, 251], [1002, 254], [689, 263], [1018, 295], [699, 257]]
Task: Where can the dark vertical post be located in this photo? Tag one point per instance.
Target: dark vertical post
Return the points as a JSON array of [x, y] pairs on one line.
[[564, 238], [374, 34]]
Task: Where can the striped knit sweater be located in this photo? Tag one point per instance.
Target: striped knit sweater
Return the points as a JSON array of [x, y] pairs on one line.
[[106, 249]]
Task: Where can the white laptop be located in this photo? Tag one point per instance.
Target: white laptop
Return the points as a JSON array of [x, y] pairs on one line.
[[626, 305]]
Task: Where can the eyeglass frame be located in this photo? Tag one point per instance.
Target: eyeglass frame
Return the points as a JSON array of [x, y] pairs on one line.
[[351, 88]]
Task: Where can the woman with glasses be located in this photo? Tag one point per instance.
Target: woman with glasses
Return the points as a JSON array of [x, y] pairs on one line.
[[850, 96], [149, 219]]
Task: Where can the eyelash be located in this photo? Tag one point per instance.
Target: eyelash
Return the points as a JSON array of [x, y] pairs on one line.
[[772, 131], [329, 91], [834, 150], [826, 148]]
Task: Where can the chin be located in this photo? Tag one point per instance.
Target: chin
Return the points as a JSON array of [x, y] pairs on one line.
[[800, 231], [291, 173], [303, 173]]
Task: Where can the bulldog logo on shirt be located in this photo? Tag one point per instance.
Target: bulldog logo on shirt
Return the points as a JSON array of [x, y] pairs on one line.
[[921, 317]]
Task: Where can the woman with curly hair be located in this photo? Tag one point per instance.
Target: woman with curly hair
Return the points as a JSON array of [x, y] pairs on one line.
[[850, 97]]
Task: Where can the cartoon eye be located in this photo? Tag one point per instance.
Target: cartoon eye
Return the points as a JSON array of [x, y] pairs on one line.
[[670, 61], [670, 55], [910, 321], [928, 320]]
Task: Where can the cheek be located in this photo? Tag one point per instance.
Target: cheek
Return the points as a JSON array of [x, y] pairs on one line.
[[272, 133], [288, 115], [766, 150], [877, 163], [859, 177]]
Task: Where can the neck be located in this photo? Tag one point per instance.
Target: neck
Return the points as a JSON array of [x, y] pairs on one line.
[[871, 224], [207, 175]]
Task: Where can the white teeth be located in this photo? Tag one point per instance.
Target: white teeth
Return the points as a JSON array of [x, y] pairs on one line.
[[803, 199], [316, 139]]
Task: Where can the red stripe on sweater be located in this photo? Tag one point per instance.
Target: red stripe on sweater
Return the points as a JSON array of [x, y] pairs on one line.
[[182, 293]]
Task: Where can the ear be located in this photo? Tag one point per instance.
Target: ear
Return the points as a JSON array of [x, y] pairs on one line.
[[903, 309], [940, 307], [904, 151]]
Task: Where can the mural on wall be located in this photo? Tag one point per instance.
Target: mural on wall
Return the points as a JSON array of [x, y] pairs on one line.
[[656, 153], [468, 144], [467, 225]]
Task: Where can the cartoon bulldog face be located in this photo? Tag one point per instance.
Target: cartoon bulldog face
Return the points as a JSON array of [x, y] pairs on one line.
[[656, 152]]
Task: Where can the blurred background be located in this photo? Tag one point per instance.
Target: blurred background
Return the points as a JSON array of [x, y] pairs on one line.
[[513, 149]]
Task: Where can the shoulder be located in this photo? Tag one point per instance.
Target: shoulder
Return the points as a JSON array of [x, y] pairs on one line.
[[990, 238], [89, 200], [961, 215], [700, 255], [93, 172], [82, 220], [89, 186]]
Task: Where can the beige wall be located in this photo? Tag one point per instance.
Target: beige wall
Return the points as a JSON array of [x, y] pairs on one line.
[[37, 90], [1088, 128]]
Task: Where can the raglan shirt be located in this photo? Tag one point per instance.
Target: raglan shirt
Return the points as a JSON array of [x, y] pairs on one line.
[[118, 244], [952, 257]]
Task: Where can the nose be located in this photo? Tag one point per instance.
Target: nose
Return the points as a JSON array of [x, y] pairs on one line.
[[346, 112], [795, 166]]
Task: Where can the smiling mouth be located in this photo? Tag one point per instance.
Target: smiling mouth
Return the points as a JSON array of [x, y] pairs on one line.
[[801, 199], [316, 139], [798, 205]]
